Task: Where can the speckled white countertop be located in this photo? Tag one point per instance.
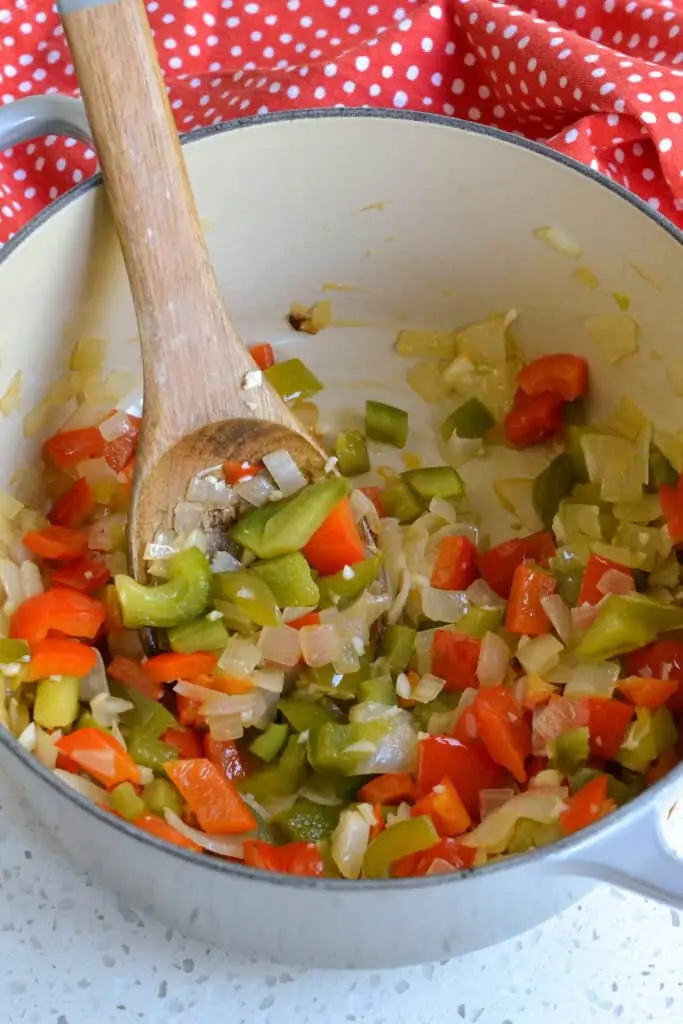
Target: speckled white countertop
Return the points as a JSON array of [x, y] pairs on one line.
[[72, 954]]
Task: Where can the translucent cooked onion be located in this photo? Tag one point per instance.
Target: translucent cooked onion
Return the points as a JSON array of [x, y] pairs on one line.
[[270, 680], [616, 582], [10, 578], [95, 683], [494, 659], [495, 832], [45, 747], [213, 702], [187, 516], [239, 658], [223, 561], [396, 749], [400, 600], [27, 738], [491, 800], [106, 709], [584, 616], [555, 718], [280, 644], [257, 490], [363, 508], [108, 533], [224, 846], [444, 605], [209, 488], [320, 645], [539, 655], [615, 334], [428, 688], [481, 595], [349, 843], [116, 425], [292, 614], [225, 727], [84, 786], [443, 509], [559, 614], [461, 450], [442, 723], [101, 761], [592, 679], [31, 580], [559, 240], [287, 476]]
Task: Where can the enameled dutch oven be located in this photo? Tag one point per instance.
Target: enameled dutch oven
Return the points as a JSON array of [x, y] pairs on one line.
[[432, 222]]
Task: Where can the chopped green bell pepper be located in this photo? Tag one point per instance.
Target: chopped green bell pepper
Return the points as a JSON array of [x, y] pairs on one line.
[[334, 589], [551, 485], [335, 684], [352, 453], [434, 482], [269, 744], [386, 423], [293, 380], [308, 822], [531, 835], [56, 705], [126, 802], [12, 651], [290, 579], [661, 470], [398, 644], [401, 502], [287, 526], [379, 690], [149, 751], [334, 747], [401, 839], [478, 621], [275, 781], [627, 622], [442, 704], [647, 737], [570, 751], [304, 715], [234, 618], [203, 634], [619, 790], [147, 716], [184, 597], [470, 420], [250, 593], [160, 795]]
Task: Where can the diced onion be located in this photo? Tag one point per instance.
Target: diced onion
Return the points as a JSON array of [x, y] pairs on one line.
[[444, 605], [45, 747], [10, 578], [461, 450], [401, 598], [424, 642], [268, 679], [495, 832], [103, 762], [107, 534], [257, 490], [292, 614], [552, 720], [558, 613], [106, 709], [84, 786], [187, 516], [280, 644], [583, 616], [31, 580], [491, 800], [287, 476], [224, 846], [443, 509], [539, 655], [593, 679], [95, 683], [116, 425], [363, 508], [516, 497], [442, 723], [225, 727], [494, 659], [27, 738], [434, 344], [209, 488], [428, 688], [426, 379], [239, 658], [481, 595], [223, 561], [320, 645], [548, 779], [349, 843], [616, 582], [559, 240], [213, 702]]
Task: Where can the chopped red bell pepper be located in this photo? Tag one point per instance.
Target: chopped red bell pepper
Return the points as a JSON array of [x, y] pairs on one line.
[[73, 446], [533, 419], [186, 741], [503, 729], [468, 765], [291, 859], [671, 500], [235, 472], [607, 721], [226, 756], [310, 619], [58, 543], [86, 575], [188, 712], [561, 374], [61, 610], [446, 809], [121, 449], [586, 806], [525, 614], [263, 355], [497, 565], [156, 826], [132, 673], [212, 797], [55, 656], [166, 668], [379, 824], [452, 851], [101, 755], [456, 564], [336, 543], [647, 693], [392, 788], [662, 659], [596, 568], [74, 507], [454, 658]]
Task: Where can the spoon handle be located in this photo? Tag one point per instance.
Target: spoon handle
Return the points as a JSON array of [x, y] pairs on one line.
[[191, 354]]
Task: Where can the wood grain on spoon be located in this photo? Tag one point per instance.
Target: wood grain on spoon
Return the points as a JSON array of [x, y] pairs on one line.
[[196, 410]]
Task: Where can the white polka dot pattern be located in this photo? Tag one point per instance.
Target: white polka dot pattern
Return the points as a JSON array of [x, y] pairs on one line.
[[600, 81]]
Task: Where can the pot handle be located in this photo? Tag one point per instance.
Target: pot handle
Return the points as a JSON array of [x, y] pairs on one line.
[[36, 116], [631, 851]]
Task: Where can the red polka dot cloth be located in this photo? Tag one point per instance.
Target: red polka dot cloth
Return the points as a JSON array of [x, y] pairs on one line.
[[601, 80]]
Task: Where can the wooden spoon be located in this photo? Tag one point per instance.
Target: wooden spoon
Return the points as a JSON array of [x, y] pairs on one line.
[[197, 412]]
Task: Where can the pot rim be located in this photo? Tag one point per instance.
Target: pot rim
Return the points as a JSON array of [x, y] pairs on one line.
[[216, 864]]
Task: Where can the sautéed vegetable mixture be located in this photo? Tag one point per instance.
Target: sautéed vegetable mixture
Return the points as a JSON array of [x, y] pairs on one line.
[[331, 700]]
